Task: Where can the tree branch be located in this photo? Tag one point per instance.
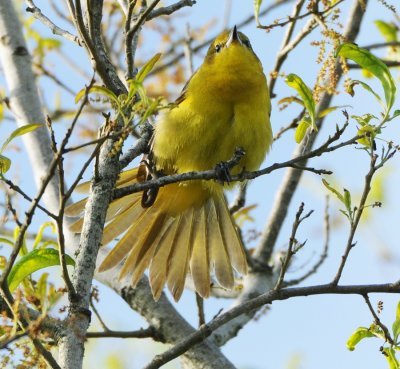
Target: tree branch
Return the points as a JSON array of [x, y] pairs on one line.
[[215, 174], [37, 13], [253, 304]]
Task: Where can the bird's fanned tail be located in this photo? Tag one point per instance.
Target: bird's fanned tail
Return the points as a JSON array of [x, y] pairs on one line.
[[173, 238]]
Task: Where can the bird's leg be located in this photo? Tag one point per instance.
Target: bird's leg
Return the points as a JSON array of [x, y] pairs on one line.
[[223, 168], [147, 171]]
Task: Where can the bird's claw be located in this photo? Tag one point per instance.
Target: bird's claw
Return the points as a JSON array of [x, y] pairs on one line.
[[223, 172]]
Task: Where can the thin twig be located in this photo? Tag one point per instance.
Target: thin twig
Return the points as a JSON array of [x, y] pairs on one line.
[[37, 13], [188, 50], [323, 255], [54, 78], [362, 204], [139, 147], [129, 41], [293, 245], [214, 174], [385, 330], [240, 199], [4, 343], [354, 222], [167, 10], [200, 309], [292, 19], [208, 41], [293, 124], [380, 45], [12, 210], [100, 319], [19, 190], [389, 63], [45, 353], [142, 18]]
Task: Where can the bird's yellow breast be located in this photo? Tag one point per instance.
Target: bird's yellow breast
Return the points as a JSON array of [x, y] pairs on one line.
[[226, 105]]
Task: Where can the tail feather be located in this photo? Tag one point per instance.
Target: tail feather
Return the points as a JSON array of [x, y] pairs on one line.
[[76, 227], [199, 259], [76, 209], [116, 207], [126, 178], [159, 263], [231, 238], [146, 248], [219, 256], [125, 245], [138, 233], [178, 259], [122, 221]]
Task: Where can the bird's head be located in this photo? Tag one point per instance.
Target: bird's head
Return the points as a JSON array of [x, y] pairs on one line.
[[227, 42]]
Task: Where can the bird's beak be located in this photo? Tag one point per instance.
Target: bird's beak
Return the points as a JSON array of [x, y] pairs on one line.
[[233, 37]]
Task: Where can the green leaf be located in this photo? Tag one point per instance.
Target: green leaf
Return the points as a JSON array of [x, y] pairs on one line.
[[243, 215], [333, 190], [387, 30], [39, 235], [357, 336], [49, 43], [146, 69], [395, 115], [5, 164], [41, 289], [101, 90], [32, 262], [301, 130], [369, 132], [19, 132], [347, 200], [331, 109], [396, 324], [6, 241], [345, 214], [290, 99], [305, 93], [374, 65], [257, 5], [366, 87], [363, 120], [390, 356]]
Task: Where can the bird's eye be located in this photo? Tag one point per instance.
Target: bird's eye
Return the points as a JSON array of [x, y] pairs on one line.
[[217, 48]]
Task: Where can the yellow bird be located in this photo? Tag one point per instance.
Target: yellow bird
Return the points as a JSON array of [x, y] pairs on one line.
[[187, 227]]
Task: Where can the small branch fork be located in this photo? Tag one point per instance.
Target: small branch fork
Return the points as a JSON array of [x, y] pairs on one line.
[[377, 321], [298, 17], [323, 255], [294, 246], [149, 332], [37, 13], [362, 204]]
